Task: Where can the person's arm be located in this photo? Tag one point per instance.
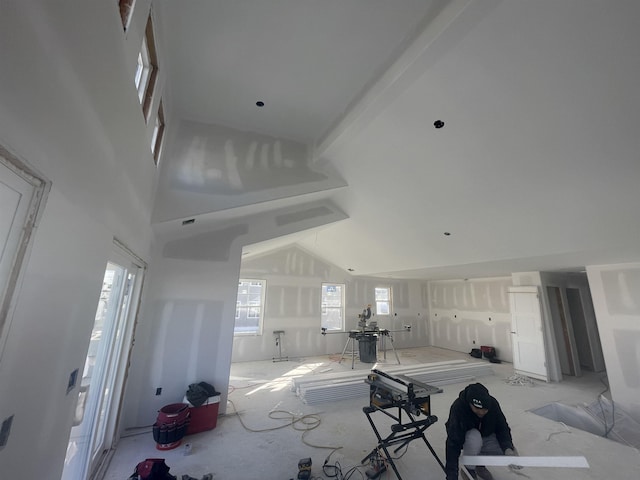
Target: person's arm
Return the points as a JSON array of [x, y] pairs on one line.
[[452, 458], [455, 440], [503, 431]]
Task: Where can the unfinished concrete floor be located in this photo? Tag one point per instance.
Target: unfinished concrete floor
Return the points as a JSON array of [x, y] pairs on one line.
[[252, 446]]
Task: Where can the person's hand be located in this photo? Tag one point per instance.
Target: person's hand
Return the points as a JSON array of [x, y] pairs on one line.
[[512, 452]]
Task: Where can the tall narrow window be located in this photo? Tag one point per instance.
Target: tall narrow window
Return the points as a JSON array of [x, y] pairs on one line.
[[332, 317], [383, 300], [126, 8], [158, 133], [249, 307], [147, 69]]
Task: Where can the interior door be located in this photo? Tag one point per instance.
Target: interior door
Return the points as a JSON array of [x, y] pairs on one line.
[[529, 354], [103, 378]]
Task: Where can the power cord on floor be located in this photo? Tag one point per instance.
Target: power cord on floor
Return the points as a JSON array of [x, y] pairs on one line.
[[568, 430], [303, 423], [335, 470]]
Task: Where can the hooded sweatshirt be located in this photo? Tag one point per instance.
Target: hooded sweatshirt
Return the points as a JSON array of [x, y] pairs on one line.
[[461, 419]]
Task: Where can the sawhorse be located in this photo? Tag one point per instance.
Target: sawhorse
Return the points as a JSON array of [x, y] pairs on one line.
[[401, 434]]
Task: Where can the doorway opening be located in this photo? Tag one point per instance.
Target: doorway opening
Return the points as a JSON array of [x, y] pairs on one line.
[[575, 329]]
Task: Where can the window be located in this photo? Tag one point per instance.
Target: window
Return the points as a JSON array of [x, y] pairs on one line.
[[147, 69], [249, 307], [158, 133], [332, 317], [383, 300], [126, 8]]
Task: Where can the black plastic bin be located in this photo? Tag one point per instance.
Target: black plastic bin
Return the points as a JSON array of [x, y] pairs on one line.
[[367, 344]]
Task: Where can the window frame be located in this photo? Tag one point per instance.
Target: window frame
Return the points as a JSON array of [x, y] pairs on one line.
[[382, 301], [158, 134], [147, 71], [250, 306], [324, 308], [126, 12]]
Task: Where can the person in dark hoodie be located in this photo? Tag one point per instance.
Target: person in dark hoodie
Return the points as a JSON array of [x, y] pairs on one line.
[[477, 426]]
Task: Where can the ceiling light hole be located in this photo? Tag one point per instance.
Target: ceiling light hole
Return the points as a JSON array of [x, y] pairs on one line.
[[351, 269], [446, 234], [189, 222], [260, 103], [438, 124]]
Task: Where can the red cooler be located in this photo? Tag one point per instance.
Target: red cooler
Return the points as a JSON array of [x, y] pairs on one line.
[[204, 417]]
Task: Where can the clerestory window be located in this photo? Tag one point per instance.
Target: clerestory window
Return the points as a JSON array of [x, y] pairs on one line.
[[147, 69]]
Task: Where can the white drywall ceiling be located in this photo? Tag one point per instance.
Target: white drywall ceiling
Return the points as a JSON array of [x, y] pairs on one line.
[[536, 167]]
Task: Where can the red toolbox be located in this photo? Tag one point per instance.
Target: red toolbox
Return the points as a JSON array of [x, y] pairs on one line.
[[204, 417]]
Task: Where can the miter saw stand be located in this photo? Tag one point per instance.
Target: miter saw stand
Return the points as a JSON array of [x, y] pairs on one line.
[[364, 331]]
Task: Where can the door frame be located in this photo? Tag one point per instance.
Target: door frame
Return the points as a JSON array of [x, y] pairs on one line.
[[113, 428], [41, 187], [563, 331], [99, 443]]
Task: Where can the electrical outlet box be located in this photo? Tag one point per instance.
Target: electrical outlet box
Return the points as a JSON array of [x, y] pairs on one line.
[[73, 378], [158, 391]]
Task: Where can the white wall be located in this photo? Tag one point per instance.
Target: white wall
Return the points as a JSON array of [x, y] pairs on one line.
[[467, 314], [185, 331], [68, 107], [615, 290], [294, 279]]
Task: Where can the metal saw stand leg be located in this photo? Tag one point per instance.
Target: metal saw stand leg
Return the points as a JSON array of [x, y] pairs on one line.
[[279, 358], [394, 350], [400, 434], [350, 341], [383, 345]]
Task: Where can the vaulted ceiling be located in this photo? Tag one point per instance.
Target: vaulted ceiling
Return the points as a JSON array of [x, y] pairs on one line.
[[536, 165]]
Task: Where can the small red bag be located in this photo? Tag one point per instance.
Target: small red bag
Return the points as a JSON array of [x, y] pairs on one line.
[[488, 352], [152, 469]]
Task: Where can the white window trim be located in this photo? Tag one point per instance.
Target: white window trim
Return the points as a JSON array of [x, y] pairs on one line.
[[157, 137], [143, 72], [323, 307], [390, 302], [261, 305]]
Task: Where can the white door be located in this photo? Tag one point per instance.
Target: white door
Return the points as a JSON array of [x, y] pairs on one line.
[[529, 354], [20, 198], [95, 427]]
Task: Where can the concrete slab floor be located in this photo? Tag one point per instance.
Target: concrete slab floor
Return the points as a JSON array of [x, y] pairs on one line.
[[260, 443]]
